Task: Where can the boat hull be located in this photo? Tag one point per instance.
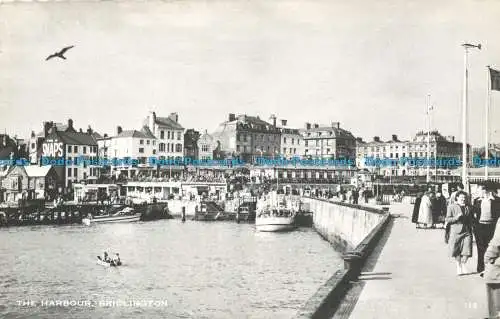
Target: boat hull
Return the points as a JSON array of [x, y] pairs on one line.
[[274, 224], [112, 219]]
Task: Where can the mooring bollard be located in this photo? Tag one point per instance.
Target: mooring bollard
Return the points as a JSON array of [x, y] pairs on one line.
[[352, 263]]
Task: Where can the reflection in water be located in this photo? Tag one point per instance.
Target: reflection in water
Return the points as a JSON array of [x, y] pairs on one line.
[[203, 270]]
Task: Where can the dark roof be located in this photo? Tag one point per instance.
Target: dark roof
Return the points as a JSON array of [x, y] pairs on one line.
[[76, 138], [96, 135], [165, 121], [147, 132], [5, 152]]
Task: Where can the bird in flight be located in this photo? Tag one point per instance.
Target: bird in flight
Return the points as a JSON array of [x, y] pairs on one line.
[[59, 54]]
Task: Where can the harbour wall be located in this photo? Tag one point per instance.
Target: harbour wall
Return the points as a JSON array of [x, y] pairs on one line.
[[353, 230]]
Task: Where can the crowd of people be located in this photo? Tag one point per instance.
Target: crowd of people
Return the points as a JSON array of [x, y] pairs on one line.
[[466, 218]]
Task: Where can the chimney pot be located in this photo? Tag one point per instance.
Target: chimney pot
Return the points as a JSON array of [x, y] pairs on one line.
[[308, 126], [118, 130], [232, 117]]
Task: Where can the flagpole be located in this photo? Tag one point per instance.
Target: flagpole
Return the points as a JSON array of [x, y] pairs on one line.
[[428, 136], [464, 114], [487, 121]]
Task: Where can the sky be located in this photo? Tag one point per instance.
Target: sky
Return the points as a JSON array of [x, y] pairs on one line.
[[369, 65]]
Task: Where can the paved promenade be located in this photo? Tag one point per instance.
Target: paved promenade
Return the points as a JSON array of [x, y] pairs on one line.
[[413, 277]]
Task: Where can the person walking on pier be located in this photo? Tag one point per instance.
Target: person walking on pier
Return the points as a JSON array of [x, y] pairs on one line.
[[438, 209], [459, 217], [425, 210], [486, 213], [416, 208]]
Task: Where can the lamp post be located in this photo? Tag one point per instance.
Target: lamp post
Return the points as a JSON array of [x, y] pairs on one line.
[[465, 103]]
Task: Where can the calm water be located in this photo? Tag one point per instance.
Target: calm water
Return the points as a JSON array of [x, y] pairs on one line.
[[190, 270]]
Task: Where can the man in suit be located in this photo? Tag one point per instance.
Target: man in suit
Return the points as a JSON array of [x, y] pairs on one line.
[[486, 210]]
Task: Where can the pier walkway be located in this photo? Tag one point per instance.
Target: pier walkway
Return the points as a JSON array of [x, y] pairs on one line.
[[413, 277]]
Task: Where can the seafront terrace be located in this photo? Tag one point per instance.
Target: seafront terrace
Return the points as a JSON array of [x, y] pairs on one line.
[[410, 275]]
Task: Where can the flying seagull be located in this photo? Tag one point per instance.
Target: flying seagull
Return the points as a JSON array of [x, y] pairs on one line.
[[59, 54]]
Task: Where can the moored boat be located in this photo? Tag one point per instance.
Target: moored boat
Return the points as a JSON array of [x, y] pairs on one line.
[[126, 215], [275, 213], [274, 220]]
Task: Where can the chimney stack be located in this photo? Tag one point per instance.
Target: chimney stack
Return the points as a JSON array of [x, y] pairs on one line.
[[54, 127], [283, 122], [118, 130], [316, 125], [336, 125], [376, 139], [394, 138], [359, 139], [151, 122], [308, 126], [33, 134], [232, 117], [46, 128], [274, 121], [105, 135], [89, 130], [81, 131], [70, 124]]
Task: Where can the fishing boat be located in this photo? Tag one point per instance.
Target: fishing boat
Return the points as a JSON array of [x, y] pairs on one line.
[[125, 215]]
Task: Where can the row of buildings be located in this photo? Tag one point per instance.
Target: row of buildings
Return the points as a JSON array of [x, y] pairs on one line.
[[79, 152]]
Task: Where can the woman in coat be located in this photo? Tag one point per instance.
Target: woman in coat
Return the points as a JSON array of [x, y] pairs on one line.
[[416, 208], [425, 210], [459, 217]]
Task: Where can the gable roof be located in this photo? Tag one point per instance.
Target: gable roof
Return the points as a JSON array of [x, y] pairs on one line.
[[165, 121], [37, 171], [74, 138], [144, 133]]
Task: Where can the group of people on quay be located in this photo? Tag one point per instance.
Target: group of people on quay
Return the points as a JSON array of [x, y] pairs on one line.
[[466, 218]]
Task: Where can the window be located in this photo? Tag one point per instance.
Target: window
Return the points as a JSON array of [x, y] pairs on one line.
[[69, 148], [75, 149], [75, 172], [237, 148], [168, 135], [141, 149], [178, 147], [293, 141], [162, 134], [284, 140], [69, 172], [148, 142], [179, 136], [204, 148], [284, 150], [141, 142], [154, 142], [154, 152]]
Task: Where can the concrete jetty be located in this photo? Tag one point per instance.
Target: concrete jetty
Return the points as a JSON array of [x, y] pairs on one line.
[[410, 275]]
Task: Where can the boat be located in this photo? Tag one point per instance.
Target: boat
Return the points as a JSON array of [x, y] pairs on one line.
[[275, 219], [125, 215], [107, 264], [275, 213]]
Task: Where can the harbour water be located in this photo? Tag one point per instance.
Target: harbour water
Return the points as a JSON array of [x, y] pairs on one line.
[[170, 270]]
